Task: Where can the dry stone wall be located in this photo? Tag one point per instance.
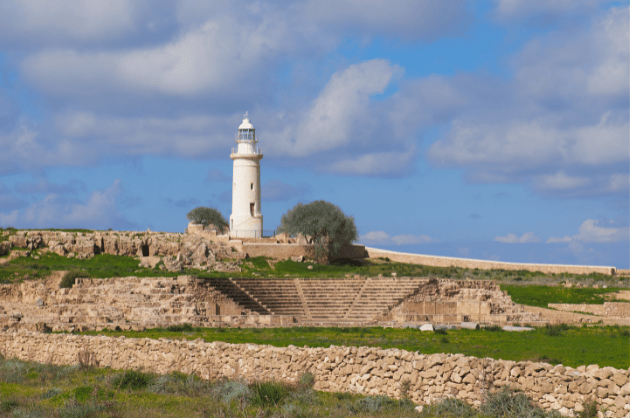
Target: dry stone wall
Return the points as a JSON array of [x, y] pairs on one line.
[[340, 369], [438, 261], [614, 309]]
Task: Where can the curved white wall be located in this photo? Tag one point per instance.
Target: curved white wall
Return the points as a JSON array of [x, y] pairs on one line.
[[245, 191]]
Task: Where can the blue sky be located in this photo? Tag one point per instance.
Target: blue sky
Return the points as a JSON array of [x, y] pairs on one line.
[[483, 129]]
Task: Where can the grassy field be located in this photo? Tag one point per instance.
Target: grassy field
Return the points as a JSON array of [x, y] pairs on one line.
[[542, 295], [35, 390], [570, 346], [105, 265]]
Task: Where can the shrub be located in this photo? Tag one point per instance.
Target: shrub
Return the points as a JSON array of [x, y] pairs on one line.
[[441, 331], [373, 404], [206, 216], [132, 379], [510, 404], [307, 380], [268, 393], [70, 277], [329, 227], [494, 328], [73, 409], [51, 393], [451, 407], [230, 390]]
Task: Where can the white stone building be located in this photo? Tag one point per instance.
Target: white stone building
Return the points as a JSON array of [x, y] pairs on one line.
[[246, 219]]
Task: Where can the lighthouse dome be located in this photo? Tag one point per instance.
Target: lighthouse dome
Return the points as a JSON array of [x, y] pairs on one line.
[[246, 123]]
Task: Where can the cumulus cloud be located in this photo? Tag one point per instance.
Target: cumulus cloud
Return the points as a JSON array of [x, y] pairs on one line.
[[527, 237], [383, 238], [99, 211], [592, 231], [560, 126]]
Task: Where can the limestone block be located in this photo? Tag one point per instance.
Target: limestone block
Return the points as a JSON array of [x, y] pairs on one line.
[[426, 327]]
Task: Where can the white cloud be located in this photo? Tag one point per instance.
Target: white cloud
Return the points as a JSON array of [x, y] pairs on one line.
[[383, 238], [511, 9], [65, 20], [381, 163], [98, 212], [341, 105], [9, 219], [551, 127], [591, 231], [527, 237]]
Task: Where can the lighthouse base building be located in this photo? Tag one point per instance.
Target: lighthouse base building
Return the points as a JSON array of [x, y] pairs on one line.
[[246, 219]]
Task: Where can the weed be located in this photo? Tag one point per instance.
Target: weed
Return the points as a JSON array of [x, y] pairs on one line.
[[180, 328], [589, 411], [494, 328], [230, 390], [70, 277], [440, 331], [133, 380], [74, 409], [268, 393], [8, 405], [51, 393], [509, 403], [307, 380], [553, 330], [450, 407]]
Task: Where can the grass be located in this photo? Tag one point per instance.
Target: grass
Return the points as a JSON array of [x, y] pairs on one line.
[[541, 296], [69, 391], [568, 345], [107, 266]]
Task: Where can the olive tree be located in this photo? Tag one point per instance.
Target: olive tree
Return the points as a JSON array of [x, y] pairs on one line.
[[329, 227], [207, 216]]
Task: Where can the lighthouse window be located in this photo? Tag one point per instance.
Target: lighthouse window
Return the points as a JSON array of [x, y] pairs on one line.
[[252, 186], [251, 208]]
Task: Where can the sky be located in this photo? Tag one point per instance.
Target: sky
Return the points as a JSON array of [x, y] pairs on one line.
[[495, 130]]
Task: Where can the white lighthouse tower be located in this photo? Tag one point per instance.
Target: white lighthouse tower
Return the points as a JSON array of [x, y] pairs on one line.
[[246, 219]]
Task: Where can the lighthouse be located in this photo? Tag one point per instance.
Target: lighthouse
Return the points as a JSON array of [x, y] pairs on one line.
[[246, 219]]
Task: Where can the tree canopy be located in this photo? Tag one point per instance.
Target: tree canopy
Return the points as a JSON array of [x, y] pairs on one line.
[[329, 227], [207, 216]]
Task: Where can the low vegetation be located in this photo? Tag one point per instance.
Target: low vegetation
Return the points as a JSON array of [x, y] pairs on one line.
[[37, 390], [559, 344], [543, 295]]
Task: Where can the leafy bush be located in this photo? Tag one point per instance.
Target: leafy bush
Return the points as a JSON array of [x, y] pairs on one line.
[[555, 330], [70, 277], [13, 371], [329, 227], [268, 393], [441, 331], [206, 216], [133, 380]]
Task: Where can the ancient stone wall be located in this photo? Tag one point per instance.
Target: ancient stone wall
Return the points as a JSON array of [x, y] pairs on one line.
[[618, 309], [454, 301], [340, 369], [437, 261]]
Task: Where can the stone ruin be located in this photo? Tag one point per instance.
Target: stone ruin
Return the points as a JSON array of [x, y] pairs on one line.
[[178, 251], [150, 302]]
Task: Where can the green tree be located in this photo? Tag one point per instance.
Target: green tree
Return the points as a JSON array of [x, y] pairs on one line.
[[207, 216], [329, 227]]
